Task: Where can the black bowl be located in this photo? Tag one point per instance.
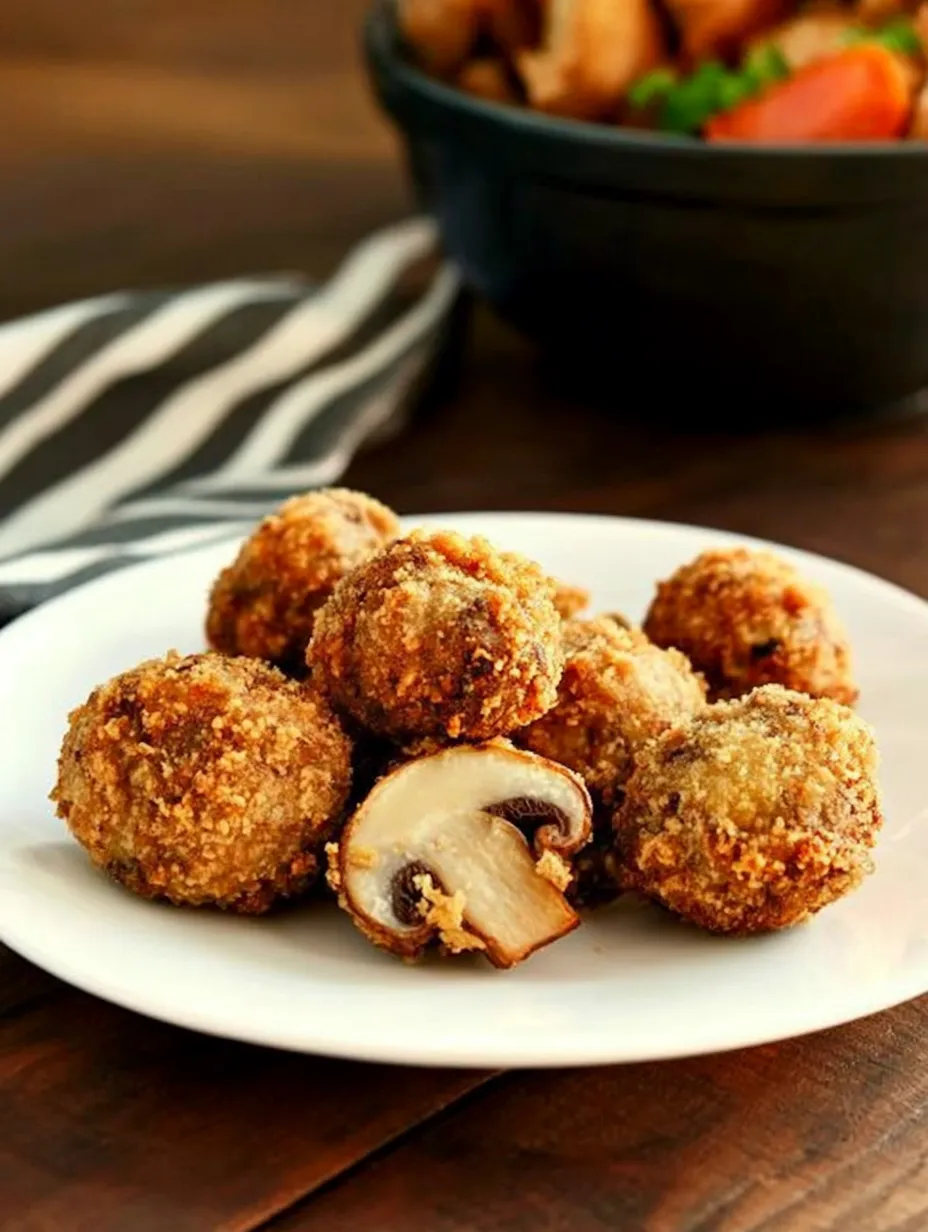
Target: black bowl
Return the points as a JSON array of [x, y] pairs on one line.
[[742, 281]]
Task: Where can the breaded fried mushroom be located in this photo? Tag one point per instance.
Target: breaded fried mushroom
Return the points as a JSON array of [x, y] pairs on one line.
[[746, 618], [205, 780], [755, 816], [570, 600], [440, 635], [618, 691], [264, 604]]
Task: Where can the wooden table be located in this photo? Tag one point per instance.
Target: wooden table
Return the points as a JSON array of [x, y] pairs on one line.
[[152, 144]]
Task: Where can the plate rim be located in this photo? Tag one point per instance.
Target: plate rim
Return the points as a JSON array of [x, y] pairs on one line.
[[432, 1056]]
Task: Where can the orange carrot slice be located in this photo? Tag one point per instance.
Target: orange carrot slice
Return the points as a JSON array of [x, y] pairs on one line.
[[862, 94]]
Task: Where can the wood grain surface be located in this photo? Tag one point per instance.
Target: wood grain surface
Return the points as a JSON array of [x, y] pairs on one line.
[[161, 141], [822, 1133], [158, 142], [110, 1121]]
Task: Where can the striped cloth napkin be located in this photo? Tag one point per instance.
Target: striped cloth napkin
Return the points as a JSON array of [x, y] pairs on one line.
[[140, 424]]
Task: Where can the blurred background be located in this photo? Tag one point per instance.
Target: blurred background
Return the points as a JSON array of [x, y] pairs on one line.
[[148, 142], [163, 142]]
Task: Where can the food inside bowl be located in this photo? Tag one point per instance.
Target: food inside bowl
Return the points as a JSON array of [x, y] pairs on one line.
[[761, 71]]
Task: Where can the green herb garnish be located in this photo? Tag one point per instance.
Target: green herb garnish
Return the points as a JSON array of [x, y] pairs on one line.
[[695, 99], [686, 103], [732, 92], [765, 66], [652, 88], [897, 35]]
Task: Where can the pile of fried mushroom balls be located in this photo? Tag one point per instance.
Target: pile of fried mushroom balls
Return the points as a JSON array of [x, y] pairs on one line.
[[432, 727]]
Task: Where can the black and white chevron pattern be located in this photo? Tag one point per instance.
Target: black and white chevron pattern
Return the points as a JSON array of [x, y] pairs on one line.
[[140, 424]]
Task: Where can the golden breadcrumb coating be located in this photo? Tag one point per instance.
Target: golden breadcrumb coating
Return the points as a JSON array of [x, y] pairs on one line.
[[264, 604], [569, 600], [755, 816], [445, 912], [205, 780], [440, 635], [617, 691], [554, 868], [746, 618], [620, 619]]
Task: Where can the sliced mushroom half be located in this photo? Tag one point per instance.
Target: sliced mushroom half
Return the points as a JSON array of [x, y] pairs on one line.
[[469, 847]]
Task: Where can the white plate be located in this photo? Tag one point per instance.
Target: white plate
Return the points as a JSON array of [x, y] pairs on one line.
[[630, 985]]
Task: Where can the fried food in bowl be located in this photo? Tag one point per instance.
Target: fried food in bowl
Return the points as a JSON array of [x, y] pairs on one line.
[[205, 780], [444, 31], [591, 52], [447, 34], [746, 618], [716, 244], [761, 70], [487, 78], [754, 816]]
